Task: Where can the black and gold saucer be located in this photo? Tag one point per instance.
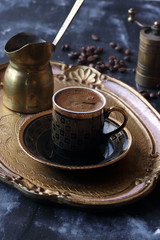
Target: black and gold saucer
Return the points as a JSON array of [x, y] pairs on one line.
[[35, 139]]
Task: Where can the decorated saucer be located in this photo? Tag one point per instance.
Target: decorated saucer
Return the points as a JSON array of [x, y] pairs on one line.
[[35, 139]]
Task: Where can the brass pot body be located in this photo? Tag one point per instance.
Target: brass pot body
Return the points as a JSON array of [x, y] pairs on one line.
[[28, 80], [148, 66]]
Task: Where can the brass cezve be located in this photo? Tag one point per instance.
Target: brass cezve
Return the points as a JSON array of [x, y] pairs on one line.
[[28, 80]]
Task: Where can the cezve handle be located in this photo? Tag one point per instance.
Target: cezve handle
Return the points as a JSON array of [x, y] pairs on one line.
[[68, 20]]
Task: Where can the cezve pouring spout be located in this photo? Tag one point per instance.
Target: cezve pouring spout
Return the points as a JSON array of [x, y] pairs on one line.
[[22, 39]]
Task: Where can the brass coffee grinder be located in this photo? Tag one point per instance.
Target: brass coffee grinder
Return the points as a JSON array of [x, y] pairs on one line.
[[148, 66]]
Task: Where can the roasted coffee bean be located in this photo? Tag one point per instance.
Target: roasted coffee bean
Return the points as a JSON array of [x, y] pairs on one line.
[[107, 65], [119, 48], [88, 53], [158, 93], [111, 68], [83, 49], [152, 95], [144, 93], [127, 58], [116, 60], [90, 48], [81, 62], [82, 58], [128, 52], [95, 37], [98, 50], [73, 55], [158, 85], [83, 54], [91, 59], [98, 68], [100, 62], [113, 44], [103, 66], [121, 69], [96, 56], [116, 67], [65, 47], [112, 58], [91, 65], [121, 63], [111, 62]]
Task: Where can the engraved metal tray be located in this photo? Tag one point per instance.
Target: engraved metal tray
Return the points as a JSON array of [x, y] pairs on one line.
[[121, 183]]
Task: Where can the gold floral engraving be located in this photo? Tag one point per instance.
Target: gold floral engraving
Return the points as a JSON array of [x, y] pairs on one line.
[[83, 75]]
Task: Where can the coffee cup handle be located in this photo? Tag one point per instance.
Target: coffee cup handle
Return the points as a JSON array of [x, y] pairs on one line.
[[108, 111]]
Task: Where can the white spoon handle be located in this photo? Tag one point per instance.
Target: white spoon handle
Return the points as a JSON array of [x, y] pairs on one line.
[[68, 20]]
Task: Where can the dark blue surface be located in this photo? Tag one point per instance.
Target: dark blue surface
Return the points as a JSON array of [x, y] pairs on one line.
[[23, 218]]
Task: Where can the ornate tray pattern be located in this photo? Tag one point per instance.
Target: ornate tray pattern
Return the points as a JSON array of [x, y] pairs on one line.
[[121, 183]]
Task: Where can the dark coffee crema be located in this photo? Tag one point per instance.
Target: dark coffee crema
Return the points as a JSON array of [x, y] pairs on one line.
[[79, 100]]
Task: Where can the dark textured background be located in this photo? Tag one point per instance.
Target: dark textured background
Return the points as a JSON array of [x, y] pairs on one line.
[[23, 218]]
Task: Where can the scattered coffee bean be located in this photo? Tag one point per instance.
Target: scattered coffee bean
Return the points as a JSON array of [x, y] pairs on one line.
[[111, 62], [116, 67], [127, 58], [96, 56], [82, 58], [121, 69], [73, 55], [111, 68], [98, 50], [121, 63], [119, 48], [107, 66], [153, 95], [100, 62], [144, 93], [91, 65], [113, 44], [90, 48], [98, 68], [95, 37], [158, 86], [65, 47], [91, 59], [112, 58], [128, 52]]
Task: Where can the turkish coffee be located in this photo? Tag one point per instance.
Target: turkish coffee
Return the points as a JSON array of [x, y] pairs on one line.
[[79, 100]]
